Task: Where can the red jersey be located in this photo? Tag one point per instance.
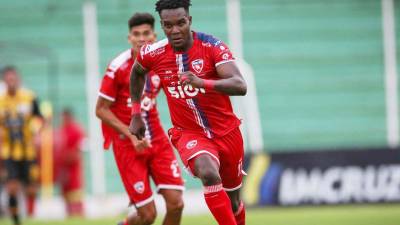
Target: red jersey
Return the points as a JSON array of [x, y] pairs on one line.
[[115, 88], [69, 168], [193, 108]]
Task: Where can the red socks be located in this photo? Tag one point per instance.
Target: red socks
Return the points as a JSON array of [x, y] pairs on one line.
[[240, 215], [30, 205], [219, 204]]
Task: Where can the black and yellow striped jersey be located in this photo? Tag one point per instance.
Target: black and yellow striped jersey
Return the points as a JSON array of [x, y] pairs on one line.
[[17, 115]]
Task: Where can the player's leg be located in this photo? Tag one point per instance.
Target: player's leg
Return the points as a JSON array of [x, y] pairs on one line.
[[206, 169], [237, 206], [73, 202], [174, 205], [200, 156], [144, 215], [165, 171], [13, 186], [31, 178], [134, 172], [231, 155]]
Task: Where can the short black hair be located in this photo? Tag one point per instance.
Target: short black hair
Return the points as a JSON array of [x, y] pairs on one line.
[[7, 69], [172, 4], [141, 18]]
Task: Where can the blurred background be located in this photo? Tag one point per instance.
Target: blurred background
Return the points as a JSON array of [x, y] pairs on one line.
[[320, 120]]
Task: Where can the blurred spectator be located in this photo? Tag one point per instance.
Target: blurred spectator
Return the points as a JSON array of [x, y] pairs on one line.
[[68, 163], [18, 112], [2, 87]]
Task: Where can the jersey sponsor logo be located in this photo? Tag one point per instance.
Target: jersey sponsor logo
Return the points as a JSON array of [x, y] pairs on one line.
[[197, 65], [157, 51], [185, 91], [191, 144], [139, 187]]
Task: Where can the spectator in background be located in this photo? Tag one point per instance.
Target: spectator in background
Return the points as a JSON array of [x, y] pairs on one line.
[[2, 87], [18, 112], [69, 163]]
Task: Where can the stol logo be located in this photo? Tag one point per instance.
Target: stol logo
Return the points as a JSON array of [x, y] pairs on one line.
[[184, 91]]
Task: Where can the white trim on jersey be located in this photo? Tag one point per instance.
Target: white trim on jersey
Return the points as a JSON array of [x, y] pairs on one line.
[[223, 62], [179, 62], [170, 187], [144, 202], [147, 126], [118, 61], [233, 189], [202, 152], [109, 98], [155, 46], [110, 74]]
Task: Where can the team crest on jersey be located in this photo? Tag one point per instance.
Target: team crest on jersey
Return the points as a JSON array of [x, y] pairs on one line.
[[155, 79], [197, 65], [191, 144], [139, 187], [225, 56]]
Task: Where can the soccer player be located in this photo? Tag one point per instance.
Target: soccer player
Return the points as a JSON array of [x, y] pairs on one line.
[[198, 73], [69, 163], [18, 109], [136, 162]]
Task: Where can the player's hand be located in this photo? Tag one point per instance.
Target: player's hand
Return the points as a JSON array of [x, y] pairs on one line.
[[137, 127], [190, 78], [139, 145]]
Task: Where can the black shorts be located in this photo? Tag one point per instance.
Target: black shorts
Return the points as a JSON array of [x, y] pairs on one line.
[[23, 171]]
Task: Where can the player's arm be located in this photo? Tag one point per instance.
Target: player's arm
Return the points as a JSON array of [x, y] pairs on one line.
[[104, 113], [137, 80], [230, 80]]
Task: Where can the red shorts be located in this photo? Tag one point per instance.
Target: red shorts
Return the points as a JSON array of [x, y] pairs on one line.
[[226, 150], [135, 169]]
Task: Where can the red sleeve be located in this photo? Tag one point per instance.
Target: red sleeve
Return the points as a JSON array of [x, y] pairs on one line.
[[222, 54], [108, 88], [144, 58]]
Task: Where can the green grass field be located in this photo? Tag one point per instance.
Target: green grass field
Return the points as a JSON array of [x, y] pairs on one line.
[[337, 215]]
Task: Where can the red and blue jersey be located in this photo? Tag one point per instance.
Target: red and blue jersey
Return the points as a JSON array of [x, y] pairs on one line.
[[115, 88], [193, 108]]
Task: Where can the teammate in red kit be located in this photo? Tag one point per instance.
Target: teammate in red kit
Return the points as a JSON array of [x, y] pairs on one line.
[[136, 162], [198, 73], [69, 163]]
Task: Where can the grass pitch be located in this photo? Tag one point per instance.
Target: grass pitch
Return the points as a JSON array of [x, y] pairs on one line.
[[325, 215]]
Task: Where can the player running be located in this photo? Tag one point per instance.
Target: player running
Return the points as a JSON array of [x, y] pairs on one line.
[[198, 73], [136, 162]]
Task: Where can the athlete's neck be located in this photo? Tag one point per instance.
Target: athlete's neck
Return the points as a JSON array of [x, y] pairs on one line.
[[134, 52]]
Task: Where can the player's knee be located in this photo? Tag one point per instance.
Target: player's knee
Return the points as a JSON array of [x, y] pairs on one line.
[[175, 207], [209, 176], [207, 170], [148, 217]]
